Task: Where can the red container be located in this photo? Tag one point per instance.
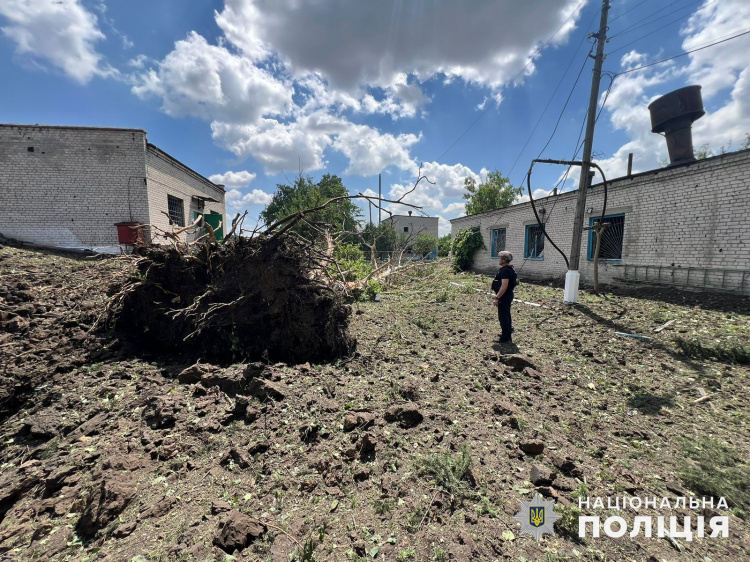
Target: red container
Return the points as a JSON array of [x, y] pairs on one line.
[[128, 234]]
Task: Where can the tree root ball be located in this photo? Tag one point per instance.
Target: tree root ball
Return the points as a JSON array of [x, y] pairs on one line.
[[248, 299]]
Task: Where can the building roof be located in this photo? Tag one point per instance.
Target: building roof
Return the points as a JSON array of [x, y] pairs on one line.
[[611, 181], [160, 152], [411, 216], [38, 126]]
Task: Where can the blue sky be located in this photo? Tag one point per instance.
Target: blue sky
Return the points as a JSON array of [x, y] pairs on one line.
[[248, 92]]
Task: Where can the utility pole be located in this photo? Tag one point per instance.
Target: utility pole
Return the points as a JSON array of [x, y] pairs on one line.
[[573, 277], [380, 203]]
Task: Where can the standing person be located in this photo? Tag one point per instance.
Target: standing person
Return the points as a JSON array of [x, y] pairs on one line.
[[502, 286]]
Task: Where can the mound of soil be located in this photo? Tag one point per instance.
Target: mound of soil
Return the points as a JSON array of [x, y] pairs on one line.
[[249, 299]]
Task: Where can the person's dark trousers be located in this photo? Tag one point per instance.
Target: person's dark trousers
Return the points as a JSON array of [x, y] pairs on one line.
[[503, 314]]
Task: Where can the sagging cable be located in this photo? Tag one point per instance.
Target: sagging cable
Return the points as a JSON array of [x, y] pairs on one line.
[[533, 204]]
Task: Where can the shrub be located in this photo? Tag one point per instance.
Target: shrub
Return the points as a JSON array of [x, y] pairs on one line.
[[451, 473], [466, 242], [373, 288], [351, 261], [444, 245], [425, 244]]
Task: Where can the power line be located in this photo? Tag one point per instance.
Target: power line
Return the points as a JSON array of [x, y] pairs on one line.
[[642, 22], [627, 11], [650, 33], [553, 95], [682, 54], [545, 110], [494, 101]]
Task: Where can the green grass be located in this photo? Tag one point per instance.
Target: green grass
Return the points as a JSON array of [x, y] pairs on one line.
[[716, 470], [451, 473], [723, 351]]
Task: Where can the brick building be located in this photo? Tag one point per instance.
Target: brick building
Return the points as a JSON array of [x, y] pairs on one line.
[[67, 187], [686, 224], [410, 226]]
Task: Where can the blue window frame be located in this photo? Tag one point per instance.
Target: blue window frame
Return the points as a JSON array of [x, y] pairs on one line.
[[612, 238], [497, 239], [533, 247]]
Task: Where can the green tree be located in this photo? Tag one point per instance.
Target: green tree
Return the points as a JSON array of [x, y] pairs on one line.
[[703, 152], [494, 193], [444, 245], [424, 244], [306, 194], [381, 235]]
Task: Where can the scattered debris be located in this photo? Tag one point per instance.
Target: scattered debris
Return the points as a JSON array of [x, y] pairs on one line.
[[664, 326], [634, 336]]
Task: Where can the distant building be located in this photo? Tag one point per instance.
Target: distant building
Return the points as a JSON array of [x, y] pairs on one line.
[[68, 187], [410, 227]]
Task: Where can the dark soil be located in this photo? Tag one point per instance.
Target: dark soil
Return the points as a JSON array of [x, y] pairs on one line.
[[419, 446], [246, 300]]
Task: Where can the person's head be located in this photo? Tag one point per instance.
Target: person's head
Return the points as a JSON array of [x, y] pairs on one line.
[[505, 257]]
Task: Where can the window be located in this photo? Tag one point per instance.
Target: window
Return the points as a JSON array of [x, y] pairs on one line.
[[176, 210], [406, 229], [497, 238], [612, 237], [534, 244]]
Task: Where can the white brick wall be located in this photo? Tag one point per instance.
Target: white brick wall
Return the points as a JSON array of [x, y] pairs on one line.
[[689, 216], [68, 186], [75, 185], [167, 176]]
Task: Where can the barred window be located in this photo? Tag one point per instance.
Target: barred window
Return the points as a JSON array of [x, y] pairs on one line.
[[534, 243], [497, 241], [176, 209], [612, 238]]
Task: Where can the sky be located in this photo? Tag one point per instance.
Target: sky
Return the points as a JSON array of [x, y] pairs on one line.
[[251, 93]]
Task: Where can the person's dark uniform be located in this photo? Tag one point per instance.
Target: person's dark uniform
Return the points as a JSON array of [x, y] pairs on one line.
[[503, 305]]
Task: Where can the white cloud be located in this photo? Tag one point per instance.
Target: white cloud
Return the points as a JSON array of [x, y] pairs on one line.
[[370, 151], [720, 69], [537, 193], [236, 200], [212, 83], [62, 33], [449, 179], [277, 83], [300, 145], [233, 179], [401, 99], [353, 44], [457, 207], [277, 146], [717, 67], [444, 226], [437, 192]]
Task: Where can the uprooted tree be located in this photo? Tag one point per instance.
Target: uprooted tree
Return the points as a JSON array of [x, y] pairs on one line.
[[276, 293]]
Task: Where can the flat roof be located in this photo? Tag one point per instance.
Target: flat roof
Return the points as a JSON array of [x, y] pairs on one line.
[[655, 171], [201, 177], [37, 125]]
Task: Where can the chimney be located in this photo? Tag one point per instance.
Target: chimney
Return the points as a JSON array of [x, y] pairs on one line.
[[409, 213], [673, 114]]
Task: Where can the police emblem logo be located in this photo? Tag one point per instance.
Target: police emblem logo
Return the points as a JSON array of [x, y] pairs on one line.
[[537, 517]]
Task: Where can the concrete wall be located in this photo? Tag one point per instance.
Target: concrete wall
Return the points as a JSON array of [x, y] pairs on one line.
[[694, 215], [68, 186], [416, 225], [167, 176]]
